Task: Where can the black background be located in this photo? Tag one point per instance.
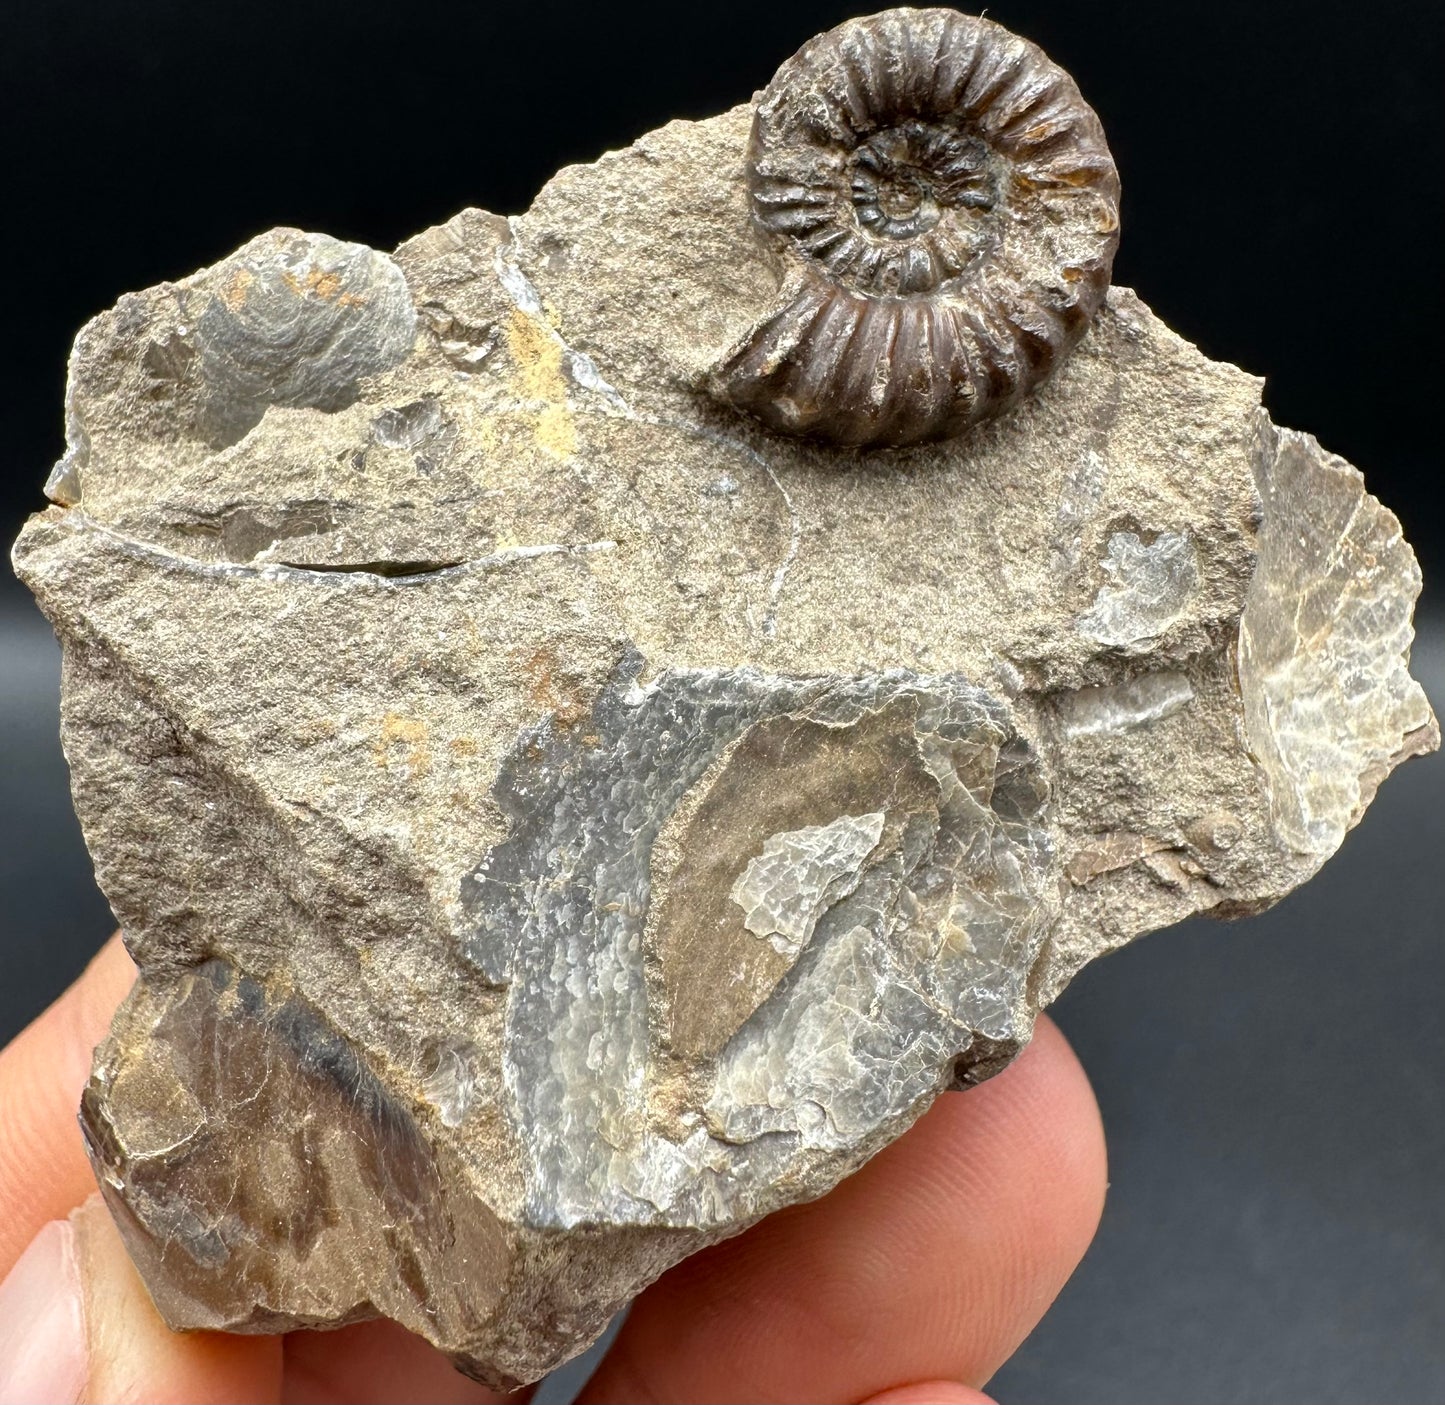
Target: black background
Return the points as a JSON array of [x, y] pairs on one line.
[[1273, 1089]]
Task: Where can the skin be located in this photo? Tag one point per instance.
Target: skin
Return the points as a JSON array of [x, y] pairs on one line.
[[913, 1281]]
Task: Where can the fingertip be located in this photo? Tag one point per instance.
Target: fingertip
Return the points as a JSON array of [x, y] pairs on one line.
[[82, 1016], [43, 1167], [106, 981], [931, 1393], [376, 1360], [42, 1322], [134, 1357], [1064, 1131], [1046, 1177]]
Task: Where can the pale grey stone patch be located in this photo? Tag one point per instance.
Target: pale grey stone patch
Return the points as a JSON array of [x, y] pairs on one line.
[[419, 428], [1117, 707], [785, 889], [407, 426], [464, 347], [1148, 588], [295, 320], [857, 1041], [1325, 644], [724, 487], [883, 999], [449, 1080], [1079, 499], [999, 906], [63, 485]]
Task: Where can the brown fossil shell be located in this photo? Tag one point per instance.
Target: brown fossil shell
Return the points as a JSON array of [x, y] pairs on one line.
[[947, 211]]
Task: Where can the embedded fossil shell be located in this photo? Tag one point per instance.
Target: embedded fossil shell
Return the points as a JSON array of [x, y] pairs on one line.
[[947, 211]]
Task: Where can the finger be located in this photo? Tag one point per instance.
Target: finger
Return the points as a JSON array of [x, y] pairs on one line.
[[76, 1324], [931, 1263], [374, 1361], [44, 1172], [932, 1393]]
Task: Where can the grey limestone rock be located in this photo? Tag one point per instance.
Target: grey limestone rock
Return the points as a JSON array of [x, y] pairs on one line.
[[559, 819]]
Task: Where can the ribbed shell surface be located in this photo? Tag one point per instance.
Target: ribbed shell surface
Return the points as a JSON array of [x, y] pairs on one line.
[[946, 209]]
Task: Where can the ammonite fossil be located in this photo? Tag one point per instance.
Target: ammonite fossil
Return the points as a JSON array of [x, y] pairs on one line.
[[947, 211]]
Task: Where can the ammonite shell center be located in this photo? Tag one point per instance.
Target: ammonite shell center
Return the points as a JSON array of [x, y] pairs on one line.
[[905, 177], [905, 181]]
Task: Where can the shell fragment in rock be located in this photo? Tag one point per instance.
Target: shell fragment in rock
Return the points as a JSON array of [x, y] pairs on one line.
[[946, 210]]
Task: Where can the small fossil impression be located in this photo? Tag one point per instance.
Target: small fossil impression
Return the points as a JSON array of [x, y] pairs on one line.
[[947, 211], [559, 819]]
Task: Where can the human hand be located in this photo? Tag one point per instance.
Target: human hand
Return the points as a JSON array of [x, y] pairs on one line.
[[913, 1281]]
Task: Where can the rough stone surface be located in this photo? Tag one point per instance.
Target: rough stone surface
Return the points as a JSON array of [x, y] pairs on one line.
[[559, 821]]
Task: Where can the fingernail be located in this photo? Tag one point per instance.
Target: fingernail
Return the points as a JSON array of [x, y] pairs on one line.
[[43, 1354]]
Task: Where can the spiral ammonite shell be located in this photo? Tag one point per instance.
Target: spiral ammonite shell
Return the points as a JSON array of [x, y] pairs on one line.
[[947, 210]]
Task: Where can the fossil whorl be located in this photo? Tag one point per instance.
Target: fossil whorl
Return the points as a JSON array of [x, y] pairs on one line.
[[947, 211]]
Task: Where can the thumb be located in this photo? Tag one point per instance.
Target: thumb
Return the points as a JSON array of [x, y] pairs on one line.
[[76, 1325]]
